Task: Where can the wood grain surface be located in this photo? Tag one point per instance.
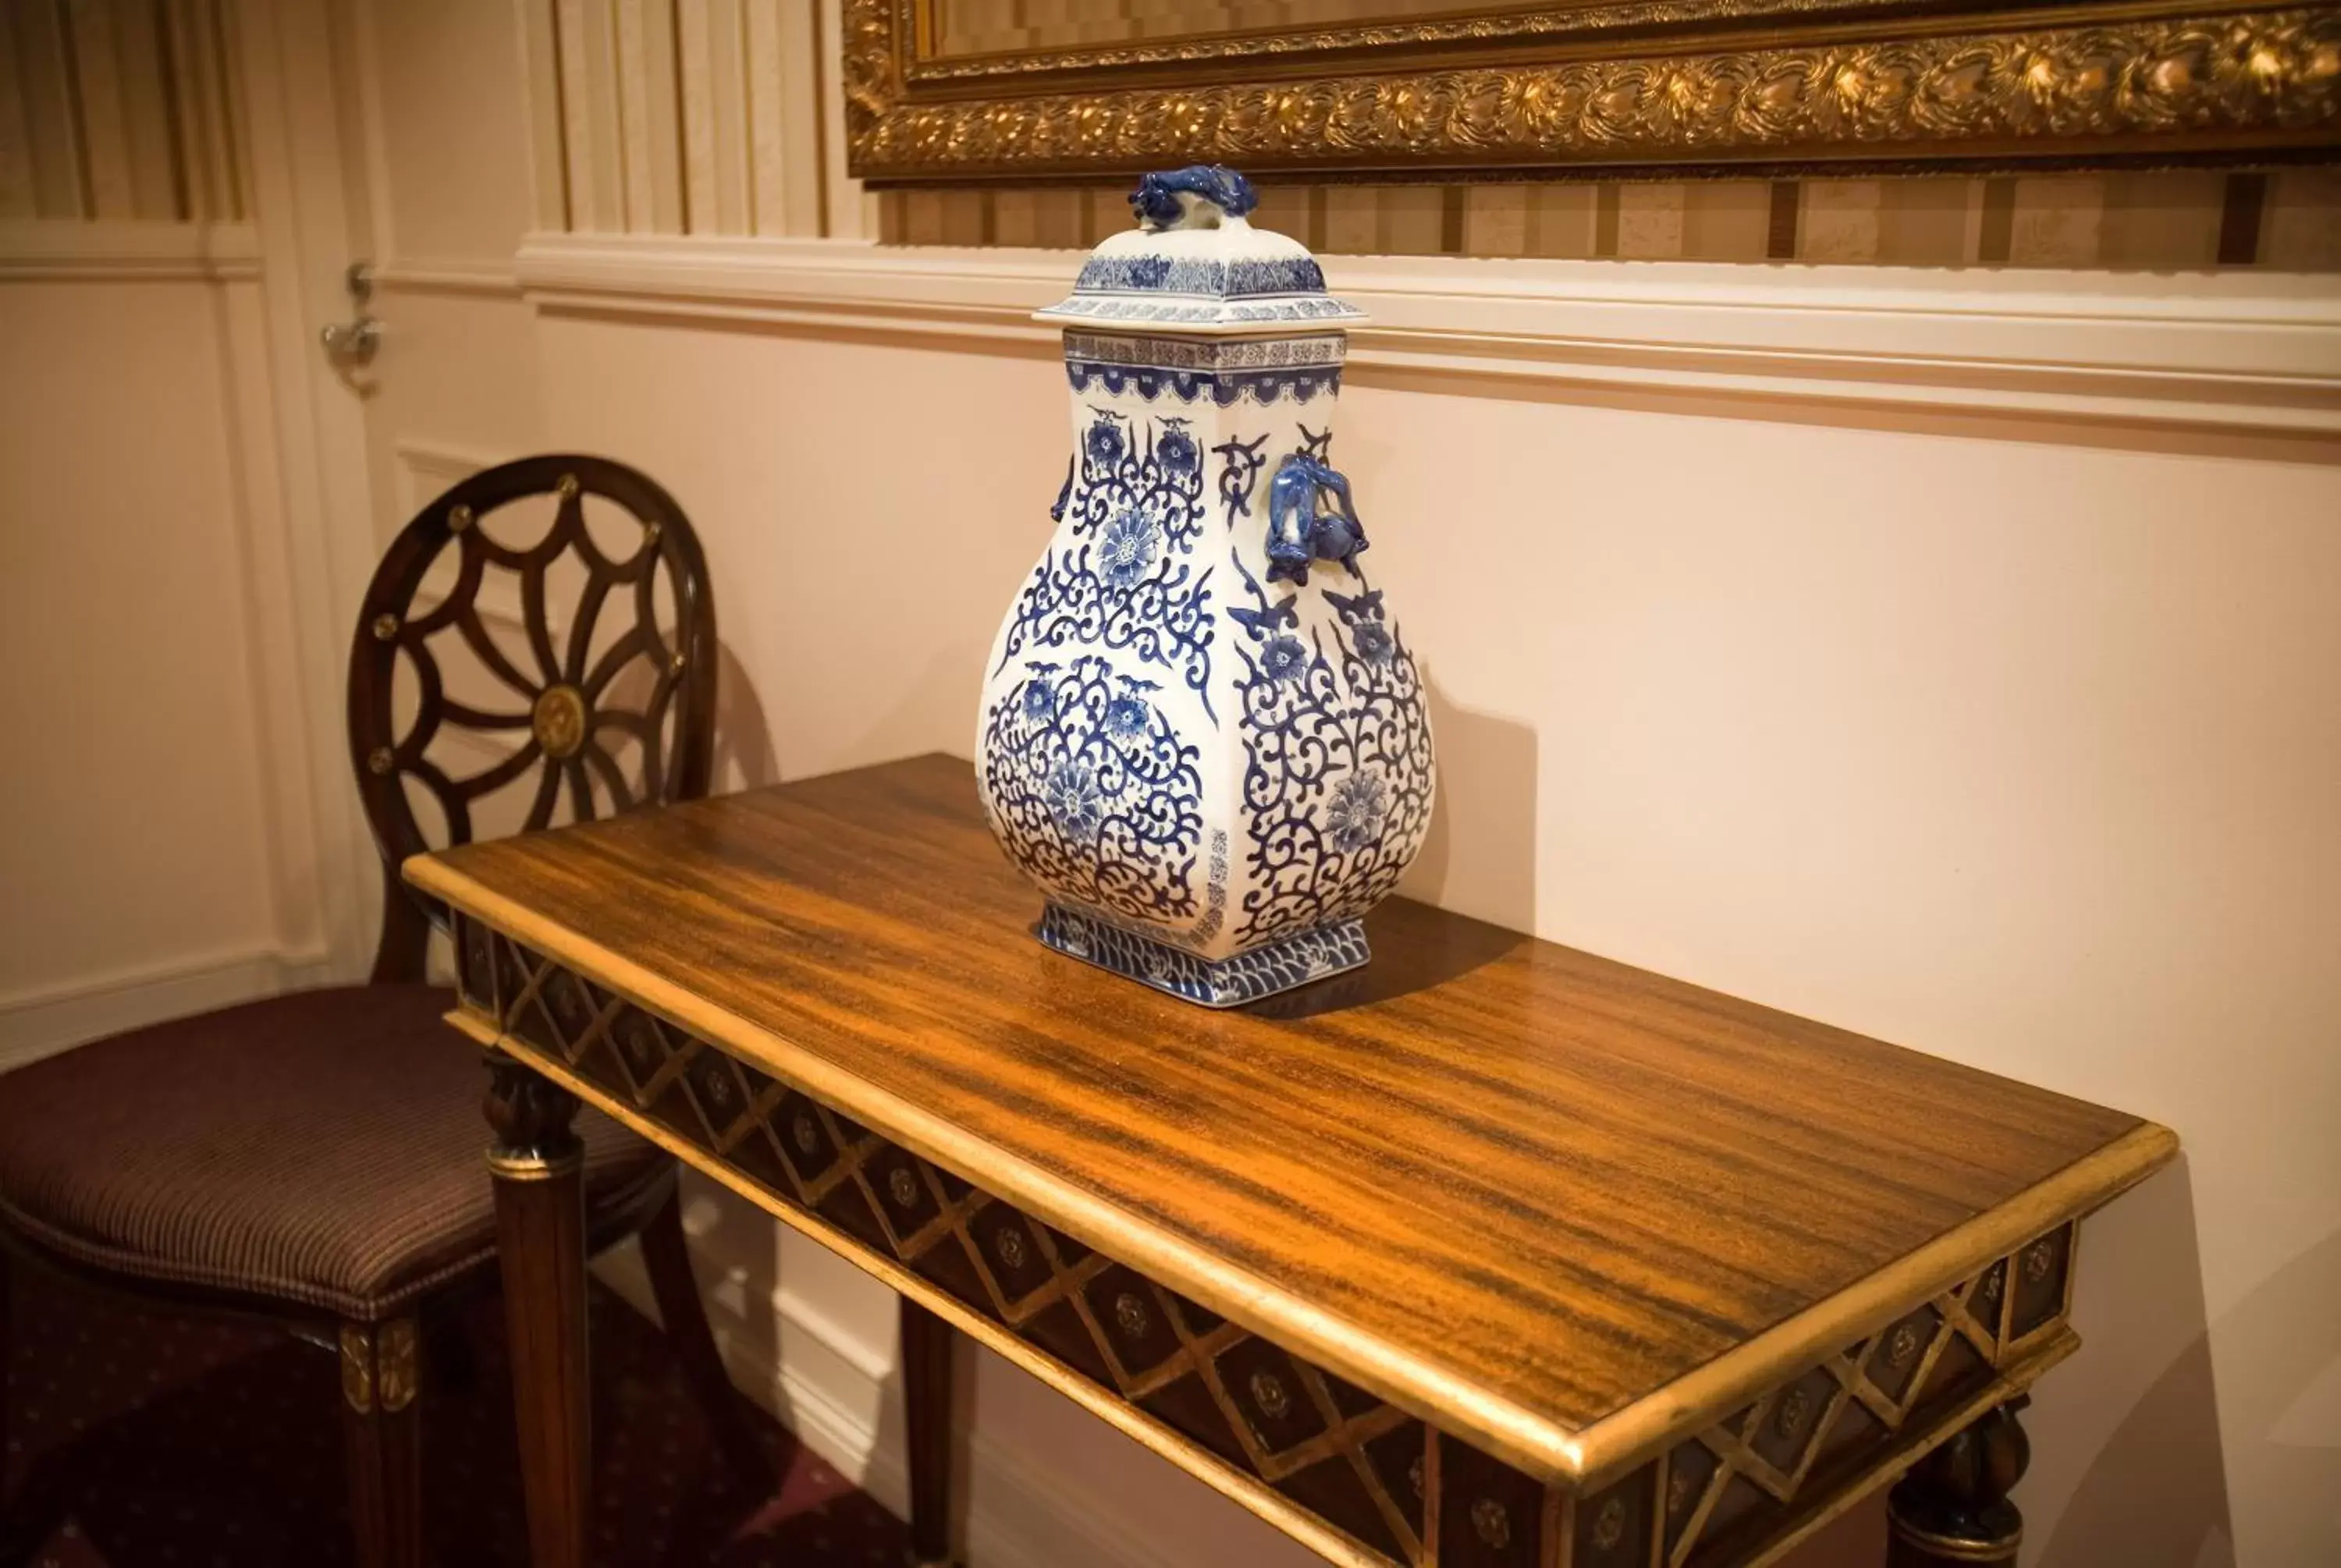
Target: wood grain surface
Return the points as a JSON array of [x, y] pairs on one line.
[[1565, 1206]]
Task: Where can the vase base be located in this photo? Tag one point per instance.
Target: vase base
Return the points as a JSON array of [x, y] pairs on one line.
[[1263, 971]]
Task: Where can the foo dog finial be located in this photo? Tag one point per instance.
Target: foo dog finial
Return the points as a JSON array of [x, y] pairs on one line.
[[1195, 197]]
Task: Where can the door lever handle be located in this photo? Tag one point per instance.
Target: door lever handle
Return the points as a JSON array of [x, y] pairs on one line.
[[352, 342]]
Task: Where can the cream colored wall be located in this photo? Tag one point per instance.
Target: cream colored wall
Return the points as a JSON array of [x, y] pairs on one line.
[[135, 783]]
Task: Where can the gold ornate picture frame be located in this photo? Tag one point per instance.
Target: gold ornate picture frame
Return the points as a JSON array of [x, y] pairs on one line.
[[1607, 88]]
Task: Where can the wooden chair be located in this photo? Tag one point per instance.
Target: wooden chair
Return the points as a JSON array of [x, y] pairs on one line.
[[316, 1158]]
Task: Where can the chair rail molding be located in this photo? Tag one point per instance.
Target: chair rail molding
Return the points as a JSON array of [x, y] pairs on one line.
[[2242, 352], [485, 278], [134, 250]]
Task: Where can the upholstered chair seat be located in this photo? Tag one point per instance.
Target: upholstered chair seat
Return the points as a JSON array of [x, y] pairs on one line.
[[323, 1147]]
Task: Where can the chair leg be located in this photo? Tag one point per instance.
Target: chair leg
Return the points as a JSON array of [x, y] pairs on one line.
[[667, 1256], [382, 1433]]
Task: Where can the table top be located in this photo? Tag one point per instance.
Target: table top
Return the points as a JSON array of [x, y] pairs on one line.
[[1560, 1206]]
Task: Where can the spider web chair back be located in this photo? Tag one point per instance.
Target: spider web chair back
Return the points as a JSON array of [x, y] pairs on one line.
[[537, 646]]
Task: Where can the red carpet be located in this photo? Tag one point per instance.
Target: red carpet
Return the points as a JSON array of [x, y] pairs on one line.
[[141, 1440]]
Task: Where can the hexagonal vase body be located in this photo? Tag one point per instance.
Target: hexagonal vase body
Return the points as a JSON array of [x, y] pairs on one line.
[[1212, 760]]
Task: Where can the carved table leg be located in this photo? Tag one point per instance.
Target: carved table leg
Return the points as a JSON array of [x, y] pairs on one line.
[[927, 1342], [537, 1164], [382, 1433], [1953, 1506]]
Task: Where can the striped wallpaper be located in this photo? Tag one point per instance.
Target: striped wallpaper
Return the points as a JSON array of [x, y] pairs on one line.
[[2289, 220], [117, 109]]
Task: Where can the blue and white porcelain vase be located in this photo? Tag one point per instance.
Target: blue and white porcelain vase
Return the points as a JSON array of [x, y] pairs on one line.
[[1202, 733]]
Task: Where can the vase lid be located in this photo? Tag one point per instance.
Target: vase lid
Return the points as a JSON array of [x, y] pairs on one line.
[[1196, 265]]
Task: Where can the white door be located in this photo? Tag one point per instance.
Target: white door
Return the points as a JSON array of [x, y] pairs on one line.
[[434, 102], [434, 94]]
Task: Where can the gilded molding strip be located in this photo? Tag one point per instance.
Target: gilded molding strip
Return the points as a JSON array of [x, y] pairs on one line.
[[1481, 29], [526, 1167], [1356, 1478], [2265, 79]]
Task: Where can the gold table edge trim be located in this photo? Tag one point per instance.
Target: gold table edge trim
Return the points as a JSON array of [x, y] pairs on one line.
[[532, 1167], [1578, 1458], [1705, 1394]]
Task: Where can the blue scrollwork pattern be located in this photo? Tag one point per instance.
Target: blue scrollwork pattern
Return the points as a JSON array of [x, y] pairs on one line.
[[1224, 387], [1176, 310], [1163, 275], [1126, 577], [1263, 971], [1337, 786], [1096, 797]]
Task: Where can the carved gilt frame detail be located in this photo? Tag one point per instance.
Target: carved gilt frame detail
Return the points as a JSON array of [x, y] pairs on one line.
[[2120, 82]]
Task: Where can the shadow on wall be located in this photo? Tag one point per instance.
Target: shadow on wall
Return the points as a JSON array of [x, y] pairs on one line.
[[2279, 1353], [936, 712], [2157, 1491], [1480, 857], [744, 755]]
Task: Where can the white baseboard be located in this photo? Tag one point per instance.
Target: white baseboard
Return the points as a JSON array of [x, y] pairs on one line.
[[828, 1391], [42, 1022]]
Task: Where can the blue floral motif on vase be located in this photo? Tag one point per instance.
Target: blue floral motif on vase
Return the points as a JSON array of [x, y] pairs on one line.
[[1097, 798], [1123, 575]]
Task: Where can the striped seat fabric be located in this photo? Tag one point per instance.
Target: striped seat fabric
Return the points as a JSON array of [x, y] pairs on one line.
[[323, 1149]]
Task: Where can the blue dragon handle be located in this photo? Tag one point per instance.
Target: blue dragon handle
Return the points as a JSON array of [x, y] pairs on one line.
[[1304, 525], [1157, 204]]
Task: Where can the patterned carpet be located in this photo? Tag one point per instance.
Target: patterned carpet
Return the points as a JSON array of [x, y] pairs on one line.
[[137, 1440]]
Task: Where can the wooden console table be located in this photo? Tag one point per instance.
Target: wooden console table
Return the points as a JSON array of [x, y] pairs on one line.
[[1493, 1254]]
